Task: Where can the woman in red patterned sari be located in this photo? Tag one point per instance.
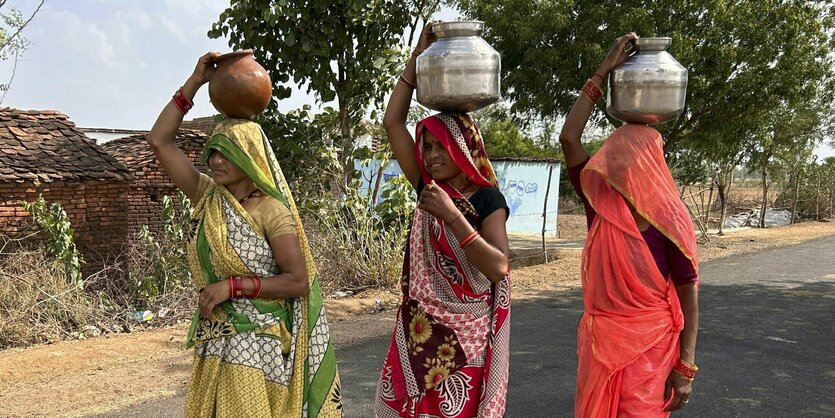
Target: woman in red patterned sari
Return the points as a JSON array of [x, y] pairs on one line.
[[450, 349]]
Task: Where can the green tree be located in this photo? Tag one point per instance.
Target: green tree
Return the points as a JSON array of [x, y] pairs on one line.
[[12, 42], [302, 141], [343, 50], [503, 137], [743, 57], [789, 132]]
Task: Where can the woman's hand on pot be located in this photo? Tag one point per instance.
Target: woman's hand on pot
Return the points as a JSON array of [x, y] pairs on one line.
[[433, 199], [618, 52], [211, 296], [427, 37], [205, 68]]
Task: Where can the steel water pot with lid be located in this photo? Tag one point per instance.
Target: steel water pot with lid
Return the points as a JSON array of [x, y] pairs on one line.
[[460, 71], [649, 87]]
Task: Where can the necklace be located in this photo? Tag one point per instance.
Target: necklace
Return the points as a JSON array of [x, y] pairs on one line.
[[463, 190], [251, 194]]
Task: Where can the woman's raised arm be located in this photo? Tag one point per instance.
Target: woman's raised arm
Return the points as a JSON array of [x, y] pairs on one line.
[[179, 168], [402, 143], [572, 147]]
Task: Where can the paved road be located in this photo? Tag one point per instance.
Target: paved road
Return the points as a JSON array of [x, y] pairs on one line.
[[765, 345]]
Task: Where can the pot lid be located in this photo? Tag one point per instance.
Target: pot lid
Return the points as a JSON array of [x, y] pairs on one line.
[[458, 28], [652, 44]]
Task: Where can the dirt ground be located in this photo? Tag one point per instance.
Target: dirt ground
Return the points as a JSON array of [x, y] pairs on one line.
[[78, 378]]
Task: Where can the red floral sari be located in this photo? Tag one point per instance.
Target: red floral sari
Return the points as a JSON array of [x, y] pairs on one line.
[[450, 349], [628, 337]]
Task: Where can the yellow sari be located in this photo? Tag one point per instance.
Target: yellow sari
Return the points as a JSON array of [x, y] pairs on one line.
[[255, 357]]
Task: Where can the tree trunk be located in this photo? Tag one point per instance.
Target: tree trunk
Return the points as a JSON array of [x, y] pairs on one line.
[[796, 194], [720, 189], [722, 206], [347, 145], [378, 183], [710, 200], [817, 196], [764, 205]]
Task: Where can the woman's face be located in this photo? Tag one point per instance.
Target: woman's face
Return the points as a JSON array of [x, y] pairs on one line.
[[436, 160], [224, 172]]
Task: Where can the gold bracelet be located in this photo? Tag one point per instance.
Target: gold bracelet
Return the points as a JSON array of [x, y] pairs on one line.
[[470, 239]]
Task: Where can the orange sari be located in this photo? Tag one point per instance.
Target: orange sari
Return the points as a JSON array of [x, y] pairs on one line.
[[628, 337]]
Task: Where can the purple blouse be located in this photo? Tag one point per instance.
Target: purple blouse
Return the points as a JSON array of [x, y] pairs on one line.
[[670, 260]]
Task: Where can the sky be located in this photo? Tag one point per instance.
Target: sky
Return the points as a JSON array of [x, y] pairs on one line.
[[116, 63]]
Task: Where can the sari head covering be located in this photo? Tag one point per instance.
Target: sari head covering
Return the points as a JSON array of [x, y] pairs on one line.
[[628, 335], [255, 357], [461, 138], [449, 354]]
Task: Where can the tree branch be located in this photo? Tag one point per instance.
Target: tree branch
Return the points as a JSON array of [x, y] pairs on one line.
[[14, 70], [20, 29]]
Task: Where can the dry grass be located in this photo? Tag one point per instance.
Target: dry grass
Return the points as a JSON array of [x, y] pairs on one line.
[[38, 301], [125, 369]]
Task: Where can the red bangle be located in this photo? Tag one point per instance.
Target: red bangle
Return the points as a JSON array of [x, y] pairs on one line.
[[256, 287], [469, 240], [596, 74], [236, 288], [591, 91], [183, 103], [407, 83], [685, 369]]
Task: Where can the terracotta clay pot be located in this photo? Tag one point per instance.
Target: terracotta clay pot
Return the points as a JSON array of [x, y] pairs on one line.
[[240, 88]]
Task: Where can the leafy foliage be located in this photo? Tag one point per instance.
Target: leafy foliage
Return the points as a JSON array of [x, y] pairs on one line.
[[302, 142], [12, 42], [503, 137], [344, 50], [399, 202], [54, 221], [744, 58], [158, 264]]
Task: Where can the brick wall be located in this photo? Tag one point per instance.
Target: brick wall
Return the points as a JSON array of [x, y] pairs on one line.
[[150, 185], [96, 209]]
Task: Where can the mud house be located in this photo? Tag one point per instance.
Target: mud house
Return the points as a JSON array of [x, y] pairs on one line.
[[42, 152]]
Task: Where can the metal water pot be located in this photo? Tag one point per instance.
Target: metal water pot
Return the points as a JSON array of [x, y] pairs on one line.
[[649, 87], [460, 72]]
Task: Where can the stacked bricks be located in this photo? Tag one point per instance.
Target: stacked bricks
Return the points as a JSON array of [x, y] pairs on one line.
[[42, 152], [151, 183]]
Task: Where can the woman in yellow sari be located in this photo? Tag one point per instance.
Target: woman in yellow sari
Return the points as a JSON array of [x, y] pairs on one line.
[[262, 345]]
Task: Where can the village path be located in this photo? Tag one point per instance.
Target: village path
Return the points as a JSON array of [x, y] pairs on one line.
[[764, 345]]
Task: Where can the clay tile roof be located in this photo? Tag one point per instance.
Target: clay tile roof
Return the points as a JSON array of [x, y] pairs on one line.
[[135, 153], [205, 124], [45, 145]]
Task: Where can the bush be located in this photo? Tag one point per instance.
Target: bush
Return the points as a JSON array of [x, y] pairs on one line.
[[358, 245], [158, 272], [54, 221], [39, 301]]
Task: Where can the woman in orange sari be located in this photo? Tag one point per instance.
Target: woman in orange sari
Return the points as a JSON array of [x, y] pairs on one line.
[[450, 349], [636, 340]]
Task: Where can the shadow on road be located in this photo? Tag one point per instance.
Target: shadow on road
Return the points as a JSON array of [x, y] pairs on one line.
[[764, 351], [765, 345]]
